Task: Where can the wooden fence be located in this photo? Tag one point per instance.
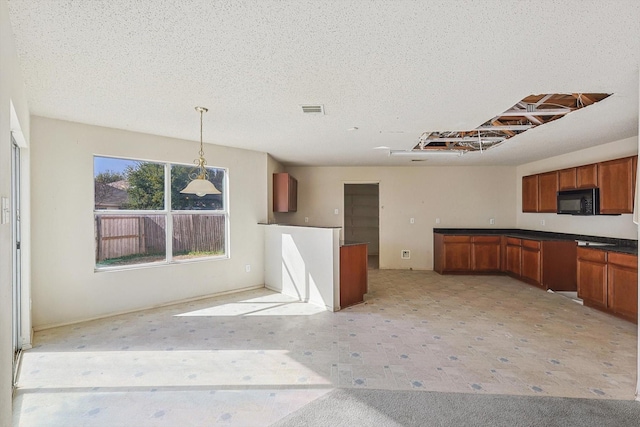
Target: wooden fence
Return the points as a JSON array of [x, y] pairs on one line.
[[122, 235]]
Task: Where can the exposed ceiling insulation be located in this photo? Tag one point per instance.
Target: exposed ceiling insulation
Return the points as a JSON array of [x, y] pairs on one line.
[[532, 111]]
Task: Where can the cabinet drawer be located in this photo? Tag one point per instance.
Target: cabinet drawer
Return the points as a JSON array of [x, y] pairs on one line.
[[623, 260], [457, 239], [531, 244], [486, 239], [513, 241], [595, 255]]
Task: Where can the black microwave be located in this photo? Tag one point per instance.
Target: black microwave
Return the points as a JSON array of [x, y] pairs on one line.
[[579, 202]]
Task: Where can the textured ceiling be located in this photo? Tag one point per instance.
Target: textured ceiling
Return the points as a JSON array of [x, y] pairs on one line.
[[393, 69]]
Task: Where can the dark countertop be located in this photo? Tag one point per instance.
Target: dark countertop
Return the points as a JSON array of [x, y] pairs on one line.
[[352, 243], [618, 245], [295, 225]]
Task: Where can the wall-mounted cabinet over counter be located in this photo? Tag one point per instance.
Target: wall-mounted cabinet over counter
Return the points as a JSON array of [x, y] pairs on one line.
[[285, 193], [614, 178], [579, 177]]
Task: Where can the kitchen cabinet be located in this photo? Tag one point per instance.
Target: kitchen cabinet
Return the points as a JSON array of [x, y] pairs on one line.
[[622, 285], [567, 179], [486, 253], [530, 262], [353, 274], [513, 256], [457, 253], [587, 176], [615, 180], [559, 265], [609, 281], [530, 193], [592, 276], [285, 193], [547, 192], [466, 254]]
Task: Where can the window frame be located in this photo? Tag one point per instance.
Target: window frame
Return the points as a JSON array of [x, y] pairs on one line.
[[168, 213]]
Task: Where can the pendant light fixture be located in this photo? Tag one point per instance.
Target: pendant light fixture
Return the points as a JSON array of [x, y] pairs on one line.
[[200, 185]]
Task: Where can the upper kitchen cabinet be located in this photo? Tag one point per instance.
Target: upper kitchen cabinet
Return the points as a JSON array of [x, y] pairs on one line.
[[616, 183], [285, 193], [579, 177], [587, 176], [539, 192], [547, 192], [530, 193], [567, 179]]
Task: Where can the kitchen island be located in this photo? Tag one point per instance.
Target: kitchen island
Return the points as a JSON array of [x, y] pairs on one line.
[[312, 265]]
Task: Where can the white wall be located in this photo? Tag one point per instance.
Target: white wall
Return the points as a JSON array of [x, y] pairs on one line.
[[459, 196], [620, 226], [304, 263], [11, 92], [64, 285]]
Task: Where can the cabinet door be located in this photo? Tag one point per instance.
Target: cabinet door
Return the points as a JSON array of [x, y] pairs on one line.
[[457, 256], [513, 260], [622, 275], [530, 193], [293, 194], [616, 186], [530, 268], [285, 193], [587, 176], [353, 274], [547, 192], [486, 253], [567, 179], [592, 276]]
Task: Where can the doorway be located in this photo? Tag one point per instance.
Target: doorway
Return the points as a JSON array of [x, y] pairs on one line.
[[362, 218], [17, 258]]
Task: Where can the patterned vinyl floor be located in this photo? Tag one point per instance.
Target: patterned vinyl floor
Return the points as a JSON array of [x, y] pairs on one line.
[[251, 358]]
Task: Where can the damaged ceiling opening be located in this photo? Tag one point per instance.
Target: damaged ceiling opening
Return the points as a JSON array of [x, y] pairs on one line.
[[532, 111]]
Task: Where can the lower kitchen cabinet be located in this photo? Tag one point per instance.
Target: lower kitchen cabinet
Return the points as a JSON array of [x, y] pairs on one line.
[[609, 281], [485, 253], [530, 268], [457, 253], [513, 256], [549, 264], [622, 289], [592, 277], [466, 254]]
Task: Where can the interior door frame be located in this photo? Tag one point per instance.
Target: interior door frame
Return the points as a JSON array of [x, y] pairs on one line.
[[16, 237], [378, 183]]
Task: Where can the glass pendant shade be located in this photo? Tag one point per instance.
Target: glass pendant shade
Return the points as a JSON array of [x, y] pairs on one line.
[[200, 187], [199, 184]]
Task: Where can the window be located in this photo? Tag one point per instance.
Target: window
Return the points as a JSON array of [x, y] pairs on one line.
[[140, 216]]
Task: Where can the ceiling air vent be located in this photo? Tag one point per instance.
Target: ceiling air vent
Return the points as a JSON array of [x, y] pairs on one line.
[[313, 109]]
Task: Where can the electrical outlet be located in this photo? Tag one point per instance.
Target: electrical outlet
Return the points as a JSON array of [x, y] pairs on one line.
[[492, 221], [247, 268], [542, 222], [437, 220], [306, 219], [405, 254], [336, 211], [412, 220]]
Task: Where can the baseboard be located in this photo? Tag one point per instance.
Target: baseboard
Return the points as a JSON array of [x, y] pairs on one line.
[[119, 313]]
